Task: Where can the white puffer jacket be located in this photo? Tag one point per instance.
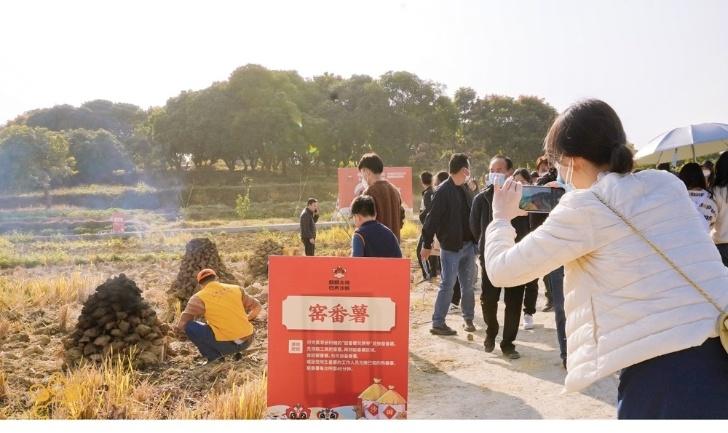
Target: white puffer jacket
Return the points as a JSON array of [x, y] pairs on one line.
[[624, 304]]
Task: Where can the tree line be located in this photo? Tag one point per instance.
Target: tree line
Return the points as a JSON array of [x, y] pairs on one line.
[[269, 120]]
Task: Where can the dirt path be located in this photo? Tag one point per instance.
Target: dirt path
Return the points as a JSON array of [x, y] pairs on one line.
[[453, 378]]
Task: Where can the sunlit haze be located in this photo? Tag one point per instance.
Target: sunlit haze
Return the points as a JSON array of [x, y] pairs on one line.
[[661, 64]]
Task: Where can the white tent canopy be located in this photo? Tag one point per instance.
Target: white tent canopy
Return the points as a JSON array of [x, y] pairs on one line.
[[688, 142]]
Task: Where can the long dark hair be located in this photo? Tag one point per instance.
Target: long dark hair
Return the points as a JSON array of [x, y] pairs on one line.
[[692, 176], [721, 171], [590, 129], [524, 174]]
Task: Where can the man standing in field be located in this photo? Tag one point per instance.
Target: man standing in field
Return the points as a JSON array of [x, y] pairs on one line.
[[386, 196], [309, 217], [480, 217], [228, 311], [428, 193], [449, 220]]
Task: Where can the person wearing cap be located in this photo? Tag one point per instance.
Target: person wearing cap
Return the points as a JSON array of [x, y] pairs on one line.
[[228, 311]]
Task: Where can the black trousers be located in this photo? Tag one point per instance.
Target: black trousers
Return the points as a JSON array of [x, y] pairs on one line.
[[723, 250], [433, 261], [530, 296], [489, 298], [309, 247], [456, 293], [549, 296]]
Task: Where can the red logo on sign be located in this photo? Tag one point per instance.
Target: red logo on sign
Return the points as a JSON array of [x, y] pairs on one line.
[[389, 412], [373, 409], [339, 272]]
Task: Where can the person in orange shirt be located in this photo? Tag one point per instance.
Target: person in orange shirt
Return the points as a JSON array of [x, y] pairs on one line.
[[228, 311]]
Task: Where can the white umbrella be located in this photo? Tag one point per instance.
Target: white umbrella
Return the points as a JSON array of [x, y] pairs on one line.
[[687, 142]]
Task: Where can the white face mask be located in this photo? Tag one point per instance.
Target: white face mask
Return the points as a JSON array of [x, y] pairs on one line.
[[566, 178], [496, 179]]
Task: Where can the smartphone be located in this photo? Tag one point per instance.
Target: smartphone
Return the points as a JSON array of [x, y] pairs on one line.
[[540, 199]]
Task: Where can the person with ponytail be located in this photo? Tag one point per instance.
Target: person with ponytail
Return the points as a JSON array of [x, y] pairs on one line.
[[644, 286], [719, 233]]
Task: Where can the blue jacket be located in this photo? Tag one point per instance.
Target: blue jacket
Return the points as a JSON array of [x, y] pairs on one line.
[[374, 239]]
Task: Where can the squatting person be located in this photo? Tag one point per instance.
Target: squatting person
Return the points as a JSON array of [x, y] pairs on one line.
[[228, 311]]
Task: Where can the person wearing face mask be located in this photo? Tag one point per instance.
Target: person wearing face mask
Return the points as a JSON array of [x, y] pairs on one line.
[[441, 177], [645, 288], [480, 216], [386, 196], [448, 219]]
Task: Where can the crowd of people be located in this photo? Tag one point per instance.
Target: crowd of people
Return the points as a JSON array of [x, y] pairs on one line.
[[635, 263], [461, 218]]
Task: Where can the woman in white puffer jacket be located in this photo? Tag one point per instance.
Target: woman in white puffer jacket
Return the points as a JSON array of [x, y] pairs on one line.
[[627, 308]]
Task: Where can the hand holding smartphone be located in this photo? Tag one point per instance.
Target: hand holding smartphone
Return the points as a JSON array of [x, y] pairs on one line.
[[540, 199]]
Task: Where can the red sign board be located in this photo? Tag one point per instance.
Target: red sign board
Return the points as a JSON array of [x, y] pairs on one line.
[[338, 334], [350, 185], [117, 222]]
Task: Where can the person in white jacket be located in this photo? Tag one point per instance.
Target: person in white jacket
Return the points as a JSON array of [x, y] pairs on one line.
[[627, 308]]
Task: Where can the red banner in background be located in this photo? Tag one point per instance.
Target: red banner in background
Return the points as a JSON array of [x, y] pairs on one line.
[[117, 222], [338, 334], [350, 185]]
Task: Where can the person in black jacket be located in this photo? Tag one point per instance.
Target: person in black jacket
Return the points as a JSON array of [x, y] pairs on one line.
[[427, 193], [449, 220], [480, 216], [309, 216]]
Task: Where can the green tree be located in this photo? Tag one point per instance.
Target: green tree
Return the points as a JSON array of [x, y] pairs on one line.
[[504, 125], [33, 158], [146, 153], [267, 122], [172, 129], [420, 113], [98, 154], [119, 119]]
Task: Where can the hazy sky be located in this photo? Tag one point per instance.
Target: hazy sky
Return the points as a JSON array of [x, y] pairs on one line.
[[660, 64]]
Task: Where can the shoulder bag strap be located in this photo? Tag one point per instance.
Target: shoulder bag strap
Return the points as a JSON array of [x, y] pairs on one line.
[[661, 254]]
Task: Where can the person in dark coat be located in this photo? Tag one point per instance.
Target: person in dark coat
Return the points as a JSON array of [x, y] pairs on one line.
[[427, 193], [480, 216], [308, 219], [448, 219], [371, 238]]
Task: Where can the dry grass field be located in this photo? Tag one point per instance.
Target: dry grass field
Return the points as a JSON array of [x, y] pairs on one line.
[[43, 285]]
